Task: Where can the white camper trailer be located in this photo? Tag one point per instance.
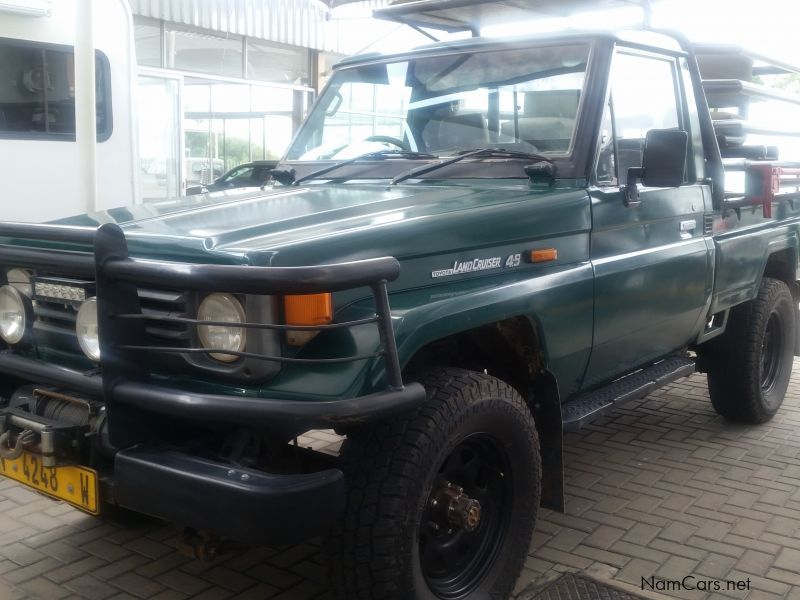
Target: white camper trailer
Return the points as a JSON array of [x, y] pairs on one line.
[[46, 114]]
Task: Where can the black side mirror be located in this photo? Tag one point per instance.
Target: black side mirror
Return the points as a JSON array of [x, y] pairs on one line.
[[663, 162], [283, 176]]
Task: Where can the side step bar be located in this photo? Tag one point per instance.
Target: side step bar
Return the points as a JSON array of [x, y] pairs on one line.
[[588, 406]]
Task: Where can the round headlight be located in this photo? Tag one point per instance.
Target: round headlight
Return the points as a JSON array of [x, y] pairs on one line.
[[227, 309], [86, 328], [12, 315], [20, 279]]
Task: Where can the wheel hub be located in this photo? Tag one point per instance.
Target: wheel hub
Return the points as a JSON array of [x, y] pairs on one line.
[[466, 517], [452, 509]]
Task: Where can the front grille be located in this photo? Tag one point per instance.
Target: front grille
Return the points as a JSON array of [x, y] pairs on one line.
[[103, 253], [172, 304], [168, 321], [54, 323], [54, 326]]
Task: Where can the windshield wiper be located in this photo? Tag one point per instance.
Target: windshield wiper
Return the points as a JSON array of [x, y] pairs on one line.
[[488, 152], [380, 154]]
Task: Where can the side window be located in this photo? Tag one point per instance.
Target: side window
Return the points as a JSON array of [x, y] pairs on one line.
[[696, 138], [606, 172], [37, 92], [643, 92], [241, 176]]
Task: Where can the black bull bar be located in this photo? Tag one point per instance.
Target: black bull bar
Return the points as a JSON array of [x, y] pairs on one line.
[[123, 380]]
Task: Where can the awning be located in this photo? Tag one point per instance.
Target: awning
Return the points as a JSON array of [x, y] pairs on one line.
[[295, 22], [374, 3], [473, 15]]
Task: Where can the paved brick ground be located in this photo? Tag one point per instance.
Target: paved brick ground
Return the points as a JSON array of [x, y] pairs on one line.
[[661, 488]]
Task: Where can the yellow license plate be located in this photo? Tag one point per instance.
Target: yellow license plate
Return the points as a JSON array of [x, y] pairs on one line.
[[73, 484]]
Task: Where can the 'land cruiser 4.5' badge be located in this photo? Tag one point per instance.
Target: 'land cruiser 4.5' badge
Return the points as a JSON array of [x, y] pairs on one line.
[[477, 264]]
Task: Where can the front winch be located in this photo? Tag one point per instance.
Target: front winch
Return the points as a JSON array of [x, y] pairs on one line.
[[51, 424], [26, 438]]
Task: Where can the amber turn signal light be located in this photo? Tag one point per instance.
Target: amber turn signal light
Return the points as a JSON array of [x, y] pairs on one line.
[[543, 255], [306, 310], [309, 309]]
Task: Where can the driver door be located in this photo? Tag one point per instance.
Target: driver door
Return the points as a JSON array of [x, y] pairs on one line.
[[650, 260]]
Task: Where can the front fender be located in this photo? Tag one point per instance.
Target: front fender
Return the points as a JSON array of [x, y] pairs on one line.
[[557, 300]]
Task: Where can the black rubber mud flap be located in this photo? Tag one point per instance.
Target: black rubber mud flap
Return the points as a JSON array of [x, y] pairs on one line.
[[547, 412]]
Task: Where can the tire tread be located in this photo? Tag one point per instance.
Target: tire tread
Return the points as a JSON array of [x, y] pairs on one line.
[[382, 465], [733, 359]]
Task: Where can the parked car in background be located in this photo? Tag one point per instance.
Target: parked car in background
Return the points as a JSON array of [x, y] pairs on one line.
[[200, 170], [252, 174]]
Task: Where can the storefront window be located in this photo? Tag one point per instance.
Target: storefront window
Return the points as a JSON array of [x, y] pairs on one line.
[[196, 96], [279, 135], [277, 63], [233, 146], [147, 35], [230, 97], [203, 52], [159, 148], [276, 107], [218, 85], [272, 99]]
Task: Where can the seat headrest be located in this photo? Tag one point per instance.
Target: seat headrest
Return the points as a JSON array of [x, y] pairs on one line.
[[463, 131], [552, 103]]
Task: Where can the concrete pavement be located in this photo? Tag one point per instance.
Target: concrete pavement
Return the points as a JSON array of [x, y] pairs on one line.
[[661, 489]]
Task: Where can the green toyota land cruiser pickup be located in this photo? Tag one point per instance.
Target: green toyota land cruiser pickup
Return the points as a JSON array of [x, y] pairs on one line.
[[469, 248]]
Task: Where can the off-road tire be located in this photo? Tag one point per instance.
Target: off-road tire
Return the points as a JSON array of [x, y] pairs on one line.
[[759, 331], [391, 469]]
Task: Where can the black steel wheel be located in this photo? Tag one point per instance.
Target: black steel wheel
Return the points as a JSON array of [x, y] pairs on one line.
[[749, 366], [771, 348], [466, 518], [442, 504]]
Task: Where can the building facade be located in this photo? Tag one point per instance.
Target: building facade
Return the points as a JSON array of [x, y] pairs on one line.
[[222, 82]]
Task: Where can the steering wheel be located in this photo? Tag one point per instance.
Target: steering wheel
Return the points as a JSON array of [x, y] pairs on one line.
[[387, 139]]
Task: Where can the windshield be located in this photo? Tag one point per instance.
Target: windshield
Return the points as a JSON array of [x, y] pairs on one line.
[[239, 174], [523, 98]]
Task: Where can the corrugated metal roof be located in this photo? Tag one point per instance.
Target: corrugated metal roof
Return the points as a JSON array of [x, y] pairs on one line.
[[296, 22], [359, 3], [474, 15]]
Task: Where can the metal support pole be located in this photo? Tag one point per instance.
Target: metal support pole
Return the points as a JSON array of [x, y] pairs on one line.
[[647, 19], [393, 371], [85, 103]]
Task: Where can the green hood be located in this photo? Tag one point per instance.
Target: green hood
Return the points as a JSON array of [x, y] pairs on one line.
[[335, 223]]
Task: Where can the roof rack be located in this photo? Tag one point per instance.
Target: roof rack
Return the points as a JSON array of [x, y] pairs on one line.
[[728, 73], [724, 88], [760, 64]]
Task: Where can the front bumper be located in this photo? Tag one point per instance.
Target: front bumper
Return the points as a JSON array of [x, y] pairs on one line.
[[234, 502], [241, 504]]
